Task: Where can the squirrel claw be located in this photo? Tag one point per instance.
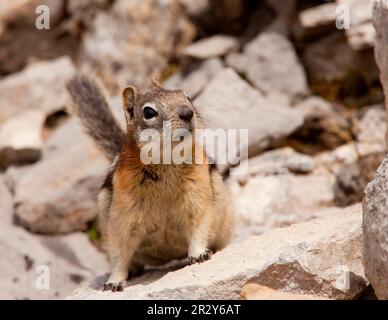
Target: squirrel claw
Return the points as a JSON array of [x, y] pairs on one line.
[[112, 287], [201, 258]]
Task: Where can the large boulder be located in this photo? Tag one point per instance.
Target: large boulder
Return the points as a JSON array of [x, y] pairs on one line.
[[133, 41], [321, 257], [58, 194], [380, 22], [270, 63], [273, 193], [375, 230], [30, 262], [228, 102]]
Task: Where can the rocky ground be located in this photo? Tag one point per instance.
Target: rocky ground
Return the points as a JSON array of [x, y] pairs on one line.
[[309, 93]]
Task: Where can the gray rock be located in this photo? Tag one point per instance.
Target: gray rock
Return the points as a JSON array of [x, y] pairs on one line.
[[6, 202], [321, 257], [380, 22], [21, 138], [58, 194], [353, 178], [230, 103], [270, 62], [40, 86], [264, 202], [278, 161], [369, 126], [71, 260], [121, 57], [360, 11], [375, 230], [361, 34], [214, 46], [194, 80]]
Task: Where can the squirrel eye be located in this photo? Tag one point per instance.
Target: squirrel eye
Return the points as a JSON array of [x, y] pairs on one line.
[[149, 113]]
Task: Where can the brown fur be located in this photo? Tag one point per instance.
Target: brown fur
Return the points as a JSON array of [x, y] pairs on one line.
[[152, 214]]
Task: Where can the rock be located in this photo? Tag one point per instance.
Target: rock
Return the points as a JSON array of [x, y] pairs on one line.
[[318, 19], [264, 202], [214, 46], [157, 30], [230, 103], [20, 40], [322, 133], [40, 86], [58, 194], [71, 260], [285, 12], [355, 163], [361, 34], [381, 25], [334, 159], [6, 202], [375, 230], [353, 178], [331, 58], [360, 12], [21, 138], [23, 12], [321, 257], [344, 155], [270, 63], [194, 80], [336, 130], [314, 108], [361, 37], [254, 291], [278, 161], [369, 126]]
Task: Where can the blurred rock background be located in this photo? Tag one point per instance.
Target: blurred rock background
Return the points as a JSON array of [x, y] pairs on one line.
[[308, 92]]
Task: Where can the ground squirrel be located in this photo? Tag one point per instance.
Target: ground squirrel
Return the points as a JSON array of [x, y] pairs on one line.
[[151, 214]]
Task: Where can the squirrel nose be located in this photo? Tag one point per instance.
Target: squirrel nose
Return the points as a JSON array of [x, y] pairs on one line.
[[185, 113]]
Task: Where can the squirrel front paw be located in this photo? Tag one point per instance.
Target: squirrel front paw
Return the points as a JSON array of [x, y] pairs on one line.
[[201, 257], [113, 286]]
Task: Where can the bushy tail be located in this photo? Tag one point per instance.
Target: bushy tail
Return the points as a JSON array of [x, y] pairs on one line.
[[90, 104]]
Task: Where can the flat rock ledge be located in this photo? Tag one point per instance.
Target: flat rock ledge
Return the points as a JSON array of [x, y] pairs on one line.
[[321, 258]]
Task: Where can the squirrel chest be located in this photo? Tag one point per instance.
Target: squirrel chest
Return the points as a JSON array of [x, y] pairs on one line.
[[163, 202]]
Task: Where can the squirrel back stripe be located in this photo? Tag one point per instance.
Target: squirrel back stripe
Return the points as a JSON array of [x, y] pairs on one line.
[[91, 105]]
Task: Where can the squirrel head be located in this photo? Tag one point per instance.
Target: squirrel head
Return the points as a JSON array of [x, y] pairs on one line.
[[158, 109]]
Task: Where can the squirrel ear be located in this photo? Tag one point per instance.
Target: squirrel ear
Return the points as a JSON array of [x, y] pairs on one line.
[[129, 96], [156, 84]]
